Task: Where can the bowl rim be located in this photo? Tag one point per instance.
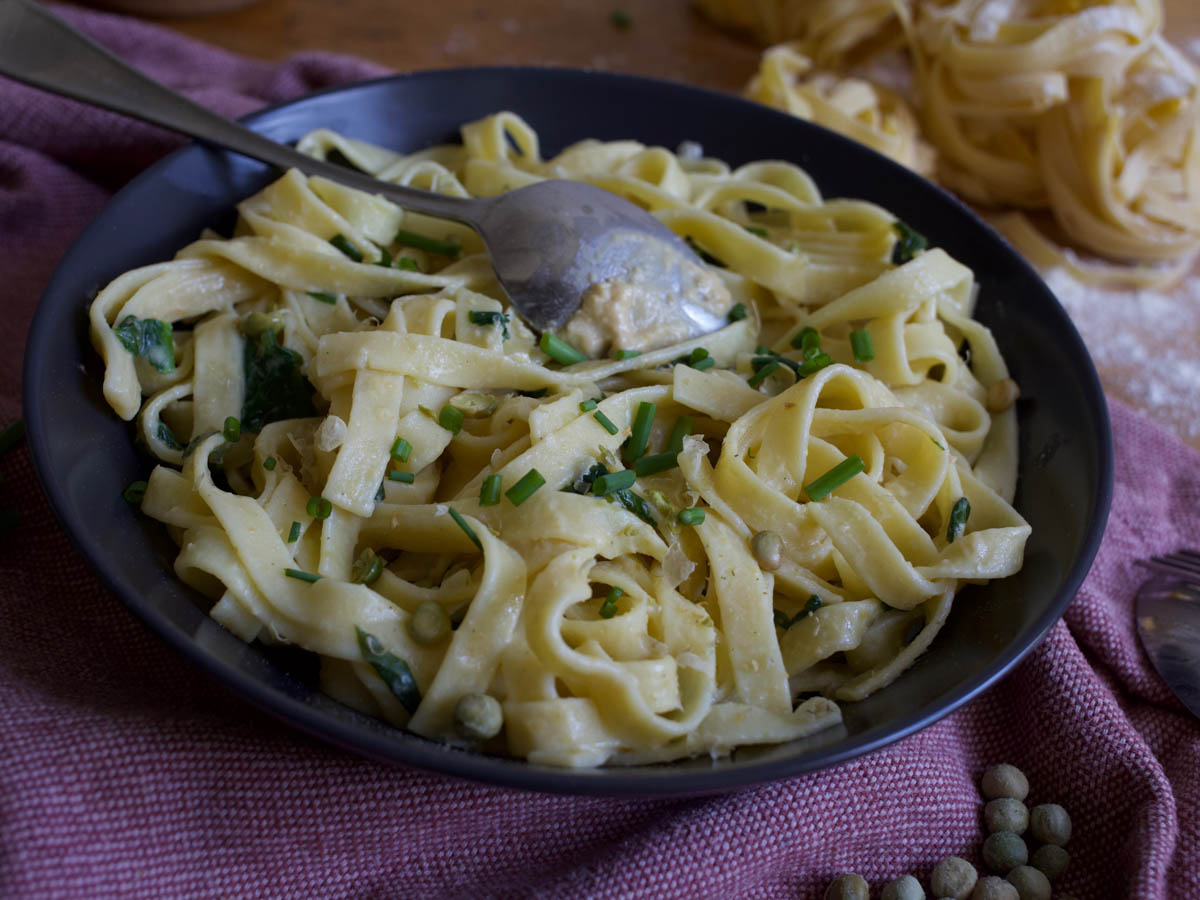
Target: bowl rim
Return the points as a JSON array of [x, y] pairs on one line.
[[411, 750]]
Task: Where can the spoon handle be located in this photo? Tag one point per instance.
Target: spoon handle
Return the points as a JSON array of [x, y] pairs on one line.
[[40, 49]]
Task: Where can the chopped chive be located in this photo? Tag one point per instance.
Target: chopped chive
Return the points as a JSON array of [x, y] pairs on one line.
[[587, 405], [636, 504], [462, 523], [814, 364], [489, 317], [835, 478], [958, 519], [11, 435], [391, 668], [697, 355], [451, 418], [764, 370], [232, 431], [756, 230], [763, 350], [693, 516], [621, 19], [424, 242], [489, 491], [703, 365], [860, 343], [525, 487], [659, 462], [909, 243], [300, 575], [681, 429], [135, 492], [806, 338], [324, 297], [604, 420], [269, 464], [627, 354], [385, 258], [402, 477], [614, 481], [738, 312], [167, 436], [782, 620], [639, 436], [608, 608], [407, 264], [560, 351], [401, 450], [368, 568], [318, 507], [343, 243], [294, 534], [811, 605]]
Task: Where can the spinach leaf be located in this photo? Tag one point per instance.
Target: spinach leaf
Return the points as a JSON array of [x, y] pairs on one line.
[[275, 384], [149, 338], [392, 669]]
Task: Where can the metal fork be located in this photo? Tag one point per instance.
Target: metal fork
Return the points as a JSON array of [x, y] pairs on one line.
[[1167, 610]]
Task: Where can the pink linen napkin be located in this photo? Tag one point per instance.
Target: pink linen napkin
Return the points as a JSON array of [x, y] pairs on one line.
[[124, 772]]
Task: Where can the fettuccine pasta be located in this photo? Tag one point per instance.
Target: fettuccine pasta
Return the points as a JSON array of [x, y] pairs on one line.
[[637, 558]]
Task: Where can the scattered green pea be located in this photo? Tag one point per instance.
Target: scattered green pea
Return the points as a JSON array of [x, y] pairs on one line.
[[767, 548], [903, 888], [994, 888], [1050, 824], [478, 717], [1030, 883], [1006, 814], [953, 877], [1004, 851], [1051, 860], [848, 886], [429, 623], [1005, 781]]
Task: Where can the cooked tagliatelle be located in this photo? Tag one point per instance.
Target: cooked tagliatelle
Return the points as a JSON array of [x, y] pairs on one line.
[[366, 454]]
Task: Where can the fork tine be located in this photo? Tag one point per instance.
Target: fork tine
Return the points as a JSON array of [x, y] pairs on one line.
[[1182, 563]]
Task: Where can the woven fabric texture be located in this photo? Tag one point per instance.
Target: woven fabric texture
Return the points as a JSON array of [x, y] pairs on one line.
[[125, 773]]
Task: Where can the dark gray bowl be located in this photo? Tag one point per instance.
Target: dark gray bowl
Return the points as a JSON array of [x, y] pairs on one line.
[[85, 455]]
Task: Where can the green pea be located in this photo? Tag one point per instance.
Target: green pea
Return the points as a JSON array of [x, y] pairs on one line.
[[1004, 851], [429, 623], [1005, 781], [1051, 860], [478, 717], [1006, 814], [953, 877], [1030, 883], [1050, 824]]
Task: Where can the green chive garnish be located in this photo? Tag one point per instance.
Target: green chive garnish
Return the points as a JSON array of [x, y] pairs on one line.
[[909, 243], [756, 230], [269, 464], [402, 477], [385, 258], [391, 668], [835, 478], [696, 356], [627, 354], [738, 312], [407, 264], [343, 243], [806, 339], [681, 429], [294, 534], [523, 489], [635, 447], [860, 343], [318, 508], [615, 481], [703, 365], [135, 492], [693, 516], [764, 370], [462, 523], [324, 297], [587, 406], [232, 431], [958, 518], [782, 620], [424, 242], [401, 450], [813, 364], [659, 462], [608, 608], [621, 19], [489, 491], [559, 350], [11, 435], [451, 418], [301, 575], [604, 420], [368, 568]]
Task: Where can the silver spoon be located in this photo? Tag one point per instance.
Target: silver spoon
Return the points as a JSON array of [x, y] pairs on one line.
[[548, 242]]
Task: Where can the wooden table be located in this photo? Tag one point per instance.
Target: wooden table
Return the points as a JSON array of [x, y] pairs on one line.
[[666, 40]]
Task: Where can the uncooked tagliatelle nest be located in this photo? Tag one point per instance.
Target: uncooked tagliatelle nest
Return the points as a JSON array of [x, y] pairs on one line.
[[1081, 109]]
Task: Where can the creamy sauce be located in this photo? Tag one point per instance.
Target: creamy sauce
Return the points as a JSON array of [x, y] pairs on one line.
[[647, 307]]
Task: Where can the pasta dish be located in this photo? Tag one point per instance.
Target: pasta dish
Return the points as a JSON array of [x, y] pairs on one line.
[[496, 540]]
